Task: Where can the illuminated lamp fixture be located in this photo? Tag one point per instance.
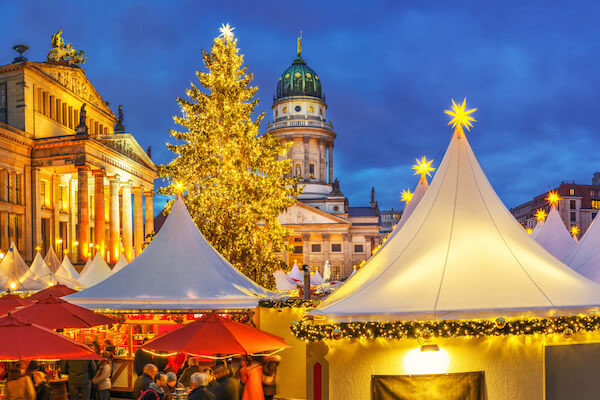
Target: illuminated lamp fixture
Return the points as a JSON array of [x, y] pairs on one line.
[[13, 285], [1, 255], [91, 244], [75, 243]]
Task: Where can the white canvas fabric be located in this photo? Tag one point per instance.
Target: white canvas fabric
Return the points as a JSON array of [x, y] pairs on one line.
[[283, 282], [94, 273], [585, 256], [52, 260], [121, 263], [536, 229], [86, 266], [14, 271], [316, 279], [68, 268], [554, 235], [41, 270], [178, 270], [296, 274], [461, 254]]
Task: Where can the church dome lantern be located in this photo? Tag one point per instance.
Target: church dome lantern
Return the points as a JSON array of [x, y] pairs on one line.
[[299, 80]]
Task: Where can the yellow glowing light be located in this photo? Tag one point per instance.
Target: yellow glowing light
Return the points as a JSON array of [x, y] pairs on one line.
[[179, 188], [574, 230], [426, 361], [38, 248], [529, 230], [460, 116], [91, 244], [540, 214], [407, 196], [75, 243], [553, 198], [59, 240], [226, 31], [13, 285], [423, 167], [1, 255]]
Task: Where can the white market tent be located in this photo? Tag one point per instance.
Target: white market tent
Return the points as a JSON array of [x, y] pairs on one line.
[[52, 260], [554, 236], [461, 255], [68, 268], [95, 272], [536, 229], [585, 256], [178, 270], [41, 270], [121, 263], [283, 282], [420, 191], [15, 275], [296, 274], [316, 279]]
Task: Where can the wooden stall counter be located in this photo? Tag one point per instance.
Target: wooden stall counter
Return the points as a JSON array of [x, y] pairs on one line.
[[123, 375], [58, 389]]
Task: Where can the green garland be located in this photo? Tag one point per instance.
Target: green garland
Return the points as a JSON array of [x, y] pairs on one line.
[[289, 303], [307, 330]]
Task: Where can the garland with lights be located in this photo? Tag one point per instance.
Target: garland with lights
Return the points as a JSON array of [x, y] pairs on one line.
[[567, 326], [289, 303]]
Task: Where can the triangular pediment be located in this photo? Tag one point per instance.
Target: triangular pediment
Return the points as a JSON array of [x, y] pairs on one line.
[[125, 144], [300, 213], [73, 79]]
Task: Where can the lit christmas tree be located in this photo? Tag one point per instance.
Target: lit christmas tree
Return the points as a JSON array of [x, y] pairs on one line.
[[234, 177]]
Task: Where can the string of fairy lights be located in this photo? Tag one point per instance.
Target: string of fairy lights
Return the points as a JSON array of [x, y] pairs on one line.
[[310, 331]]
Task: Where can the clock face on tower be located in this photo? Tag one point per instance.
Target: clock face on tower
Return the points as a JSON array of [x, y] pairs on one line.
[[297, 108]]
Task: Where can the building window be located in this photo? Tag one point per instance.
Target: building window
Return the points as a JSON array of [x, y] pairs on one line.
[[572, 204], [592, 193], [3, 103], [571, 191], [595, 203], [573, 216], [18, 189], [594, 215], [335, 271], [359, 248], [315, 247], [311, 170], [65, 198], [297, 249], [297, 240], [298, 108], [284, 110], [310, 109], [336, 247], [43, 193]]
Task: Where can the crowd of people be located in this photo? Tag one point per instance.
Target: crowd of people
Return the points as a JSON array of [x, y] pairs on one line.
[[255, 379]]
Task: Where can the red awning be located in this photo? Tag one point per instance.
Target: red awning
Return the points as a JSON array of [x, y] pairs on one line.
[[54, 291], [10, 302], [213, 334]]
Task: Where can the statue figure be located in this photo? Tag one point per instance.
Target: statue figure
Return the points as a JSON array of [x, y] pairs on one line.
[[149, 152], [335, 186], [373, 194], [82, 128], [60, 52], [119, 127], [300, 44]]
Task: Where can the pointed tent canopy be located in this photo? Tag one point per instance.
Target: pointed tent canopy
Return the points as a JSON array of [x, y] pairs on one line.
[[15, 275], [554, 236], [178, 270], [461, 255], [95, 272], [68, 267], [536, 229], [296, 274], [121, 263], [41, 270], [585, 256], [52, 260]]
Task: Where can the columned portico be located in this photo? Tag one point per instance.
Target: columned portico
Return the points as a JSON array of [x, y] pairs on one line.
[[99, 217], [138, 220], [115, 226], [149, 212], [84, 215]]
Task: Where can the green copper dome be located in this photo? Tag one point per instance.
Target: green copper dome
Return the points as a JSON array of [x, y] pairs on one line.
[[299, 80]]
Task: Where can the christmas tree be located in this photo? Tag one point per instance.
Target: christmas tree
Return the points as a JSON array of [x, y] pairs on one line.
[[235, 179]]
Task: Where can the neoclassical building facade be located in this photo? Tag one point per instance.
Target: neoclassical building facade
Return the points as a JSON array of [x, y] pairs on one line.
[[70, 177], [325, 227]]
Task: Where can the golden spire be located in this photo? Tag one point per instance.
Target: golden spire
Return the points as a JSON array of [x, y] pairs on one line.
[[553, 198], [423, 167], [540, 214], [407, 196], [300, 45], [460, 116]]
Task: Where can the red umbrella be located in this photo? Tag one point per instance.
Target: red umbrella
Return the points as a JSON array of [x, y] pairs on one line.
[[213, 334], [55, 291], [22, 340], [9, 302], [54, 313]]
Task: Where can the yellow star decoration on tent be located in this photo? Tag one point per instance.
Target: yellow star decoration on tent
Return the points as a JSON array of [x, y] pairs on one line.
[[529, 230], [407, 196], [423, 167], [540, 214], [553, 198], [226, 31], [574, 230], [461, 116]]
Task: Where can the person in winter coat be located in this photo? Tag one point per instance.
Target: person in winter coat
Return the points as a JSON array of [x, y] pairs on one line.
[[80, 374], [198, 383], [142, 382], [251, 377], [172, 385], [227, 387], [140, 359], [189, 371], [269, 376], [42, 389], [19, 386], [102, 381], [156, 390]]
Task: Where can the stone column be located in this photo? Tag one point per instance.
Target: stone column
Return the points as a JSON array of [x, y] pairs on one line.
[[306, 170], [4, 185], [99, 217], [326, 247], [347, 267], [73, 218], [4, 230], [149, 211], [331, 162], [138, 219], [126, 218], [83, 206], [36, 207], [12, 230], [306, 248], [322, 161], [115, 226], [368, 245], [55, 214], [12, 192], [28, 222]]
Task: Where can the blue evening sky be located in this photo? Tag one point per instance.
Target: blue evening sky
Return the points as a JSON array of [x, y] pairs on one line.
[[388, 68]]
